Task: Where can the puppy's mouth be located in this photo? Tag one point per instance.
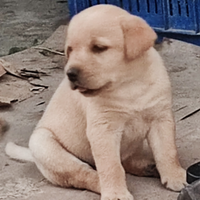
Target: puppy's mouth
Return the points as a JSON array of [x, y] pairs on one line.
[[86, 91], [83, 90]]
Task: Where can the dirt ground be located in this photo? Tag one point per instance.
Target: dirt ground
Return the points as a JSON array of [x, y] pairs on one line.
[[22, 23], [26, 23]]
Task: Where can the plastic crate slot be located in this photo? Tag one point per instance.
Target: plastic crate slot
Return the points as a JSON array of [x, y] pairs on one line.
[[156, 7], [120, 3], [138, 5], [90, 2], [179, 7], [148, 6], [159, 7], [187, 8], [171, 7]]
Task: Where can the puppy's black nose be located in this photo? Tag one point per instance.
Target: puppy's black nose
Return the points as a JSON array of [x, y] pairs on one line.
[[72, 74]]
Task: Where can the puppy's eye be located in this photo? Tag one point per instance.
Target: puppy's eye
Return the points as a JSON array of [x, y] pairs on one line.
[[98, 48], [69, 50]]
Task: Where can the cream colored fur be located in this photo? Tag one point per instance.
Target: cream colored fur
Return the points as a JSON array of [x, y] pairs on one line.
[[93, 129]]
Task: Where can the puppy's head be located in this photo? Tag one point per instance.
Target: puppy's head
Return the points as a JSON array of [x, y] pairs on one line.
[[101, 40]]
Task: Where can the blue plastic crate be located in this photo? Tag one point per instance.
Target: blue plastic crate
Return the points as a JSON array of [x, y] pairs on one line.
[[178, 19]]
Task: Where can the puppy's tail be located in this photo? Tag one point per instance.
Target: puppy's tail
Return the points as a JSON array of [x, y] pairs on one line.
[[19, 153]]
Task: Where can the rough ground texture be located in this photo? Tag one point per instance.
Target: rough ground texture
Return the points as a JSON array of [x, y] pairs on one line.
[[19, 180], [26, 22]]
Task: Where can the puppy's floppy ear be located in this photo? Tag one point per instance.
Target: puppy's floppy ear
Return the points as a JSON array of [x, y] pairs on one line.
[[138, 36]]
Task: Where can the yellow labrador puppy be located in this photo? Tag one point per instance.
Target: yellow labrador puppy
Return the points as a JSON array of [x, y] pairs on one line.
[[116, 93]]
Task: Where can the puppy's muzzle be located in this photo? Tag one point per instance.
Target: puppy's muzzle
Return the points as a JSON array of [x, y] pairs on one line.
[[73, 74]]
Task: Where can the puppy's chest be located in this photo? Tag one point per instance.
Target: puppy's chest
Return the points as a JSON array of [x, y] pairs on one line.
[[135, 128], [134, 133]]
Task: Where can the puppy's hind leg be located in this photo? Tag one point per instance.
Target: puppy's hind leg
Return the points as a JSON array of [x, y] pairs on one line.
[[58, 165], [140, 167], [141, 162]]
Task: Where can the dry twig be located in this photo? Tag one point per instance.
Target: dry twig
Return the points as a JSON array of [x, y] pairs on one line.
[[49, 50]]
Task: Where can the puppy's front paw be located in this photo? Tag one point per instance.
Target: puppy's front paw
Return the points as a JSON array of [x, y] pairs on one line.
[[176, 180], [117, 196]]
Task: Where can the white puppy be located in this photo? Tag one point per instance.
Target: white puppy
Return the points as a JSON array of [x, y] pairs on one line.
[[116, 94]]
